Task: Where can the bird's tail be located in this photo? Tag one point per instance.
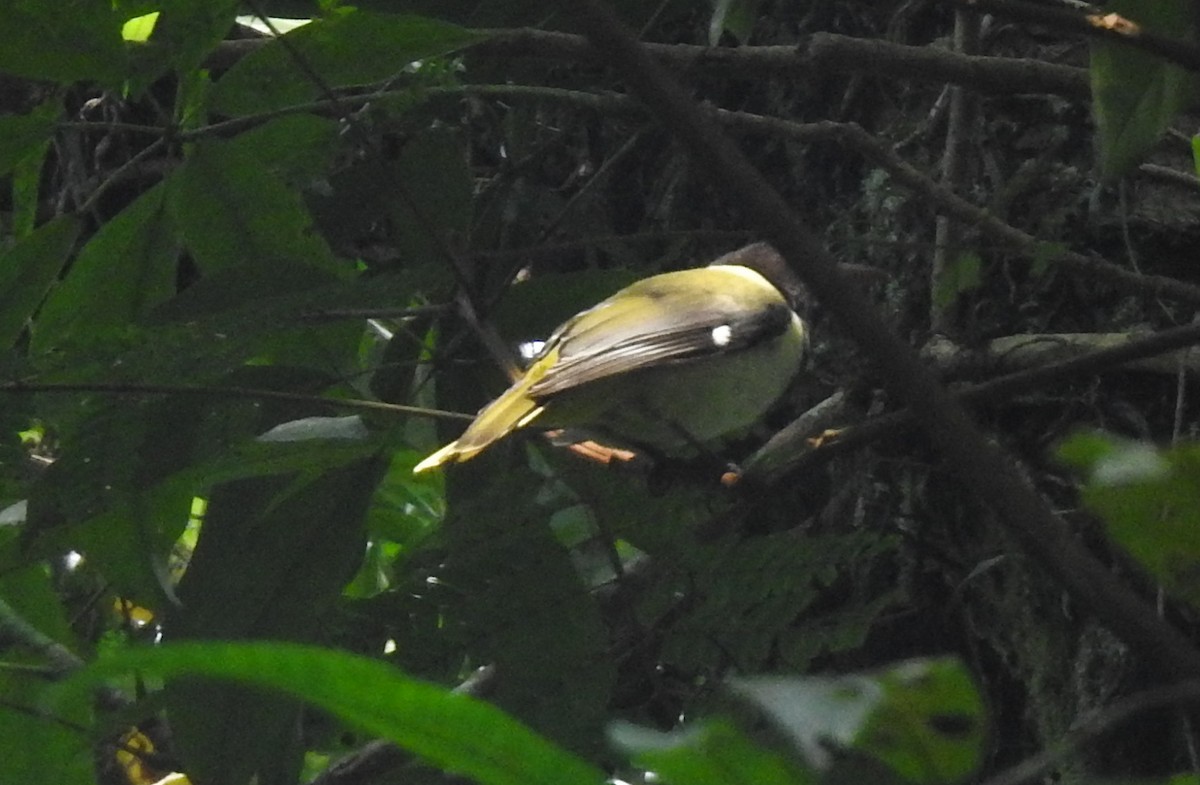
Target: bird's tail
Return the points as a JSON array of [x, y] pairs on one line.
[[511, 411]]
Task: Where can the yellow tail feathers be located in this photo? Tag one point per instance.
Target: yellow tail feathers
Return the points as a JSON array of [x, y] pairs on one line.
[[511, 411]]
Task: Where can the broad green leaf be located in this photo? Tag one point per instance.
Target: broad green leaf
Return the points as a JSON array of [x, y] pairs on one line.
[[62, 42], [518, 602], [29, 592], [296, 147], [25, 158], [349, 48], [923, 719], [28, 270], [235, 213], [40, 748], [273, 553], [455, 732], [22, 135], [123, 271], [1136, 94], [712, 753], [1149, 500]]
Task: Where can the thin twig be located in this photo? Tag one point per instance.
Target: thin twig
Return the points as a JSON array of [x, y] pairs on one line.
[[127, 388]]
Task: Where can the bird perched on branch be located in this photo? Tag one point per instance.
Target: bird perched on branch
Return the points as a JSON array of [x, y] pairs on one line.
[[671, 362]]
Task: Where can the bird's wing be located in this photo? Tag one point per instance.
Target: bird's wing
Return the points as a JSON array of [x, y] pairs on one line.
[[673, 324]]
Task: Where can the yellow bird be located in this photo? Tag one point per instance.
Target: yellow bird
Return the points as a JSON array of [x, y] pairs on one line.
[[670, 362]]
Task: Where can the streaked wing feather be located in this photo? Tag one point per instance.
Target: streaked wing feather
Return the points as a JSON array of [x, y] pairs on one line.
[[670, 328]]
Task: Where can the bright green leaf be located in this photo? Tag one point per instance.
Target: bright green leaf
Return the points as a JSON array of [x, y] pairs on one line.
[[455, 732], [1136, 94], [713, 753], [351, 48], [27, 271], [139, 29]]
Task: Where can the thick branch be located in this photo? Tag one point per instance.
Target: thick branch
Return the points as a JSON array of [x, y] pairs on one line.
[[984, 469], [819, 52]]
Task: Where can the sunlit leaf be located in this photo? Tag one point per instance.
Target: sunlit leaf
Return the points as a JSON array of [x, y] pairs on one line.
[[455, 732], [140, 28], [711, 753]]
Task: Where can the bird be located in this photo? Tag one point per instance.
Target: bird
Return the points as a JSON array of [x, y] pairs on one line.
[[670, 363]]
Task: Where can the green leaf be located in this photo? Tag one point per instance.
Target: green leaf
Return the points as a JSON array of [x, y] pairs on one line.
[[735, 17], [139, 29], [296, 147], [184, 33], [350, 48], [923, 719], [27, 271], [235, 213], [454, 732], [712, 753], [41, 748], [431, 195], [22, 135], [518, 602], [963, 274], [1149, 500], [62, 42], [273, 553], [123, 271], [1136, 94]]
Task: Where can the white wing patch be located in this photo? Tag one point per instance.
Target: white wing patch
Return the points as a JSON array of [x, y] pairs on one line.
[[722, 334]]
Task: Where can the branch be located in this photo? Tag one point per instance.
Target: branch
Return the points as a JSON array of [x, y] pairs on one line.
[[123, 388], [980, 464], [813, 54], [789, 451], [1106, 27], [1095, 725]]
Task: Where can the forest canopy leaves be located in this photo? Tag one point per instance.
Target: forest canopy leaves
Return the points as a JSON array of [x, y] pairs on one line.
[[348, 48], [48, 41]]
